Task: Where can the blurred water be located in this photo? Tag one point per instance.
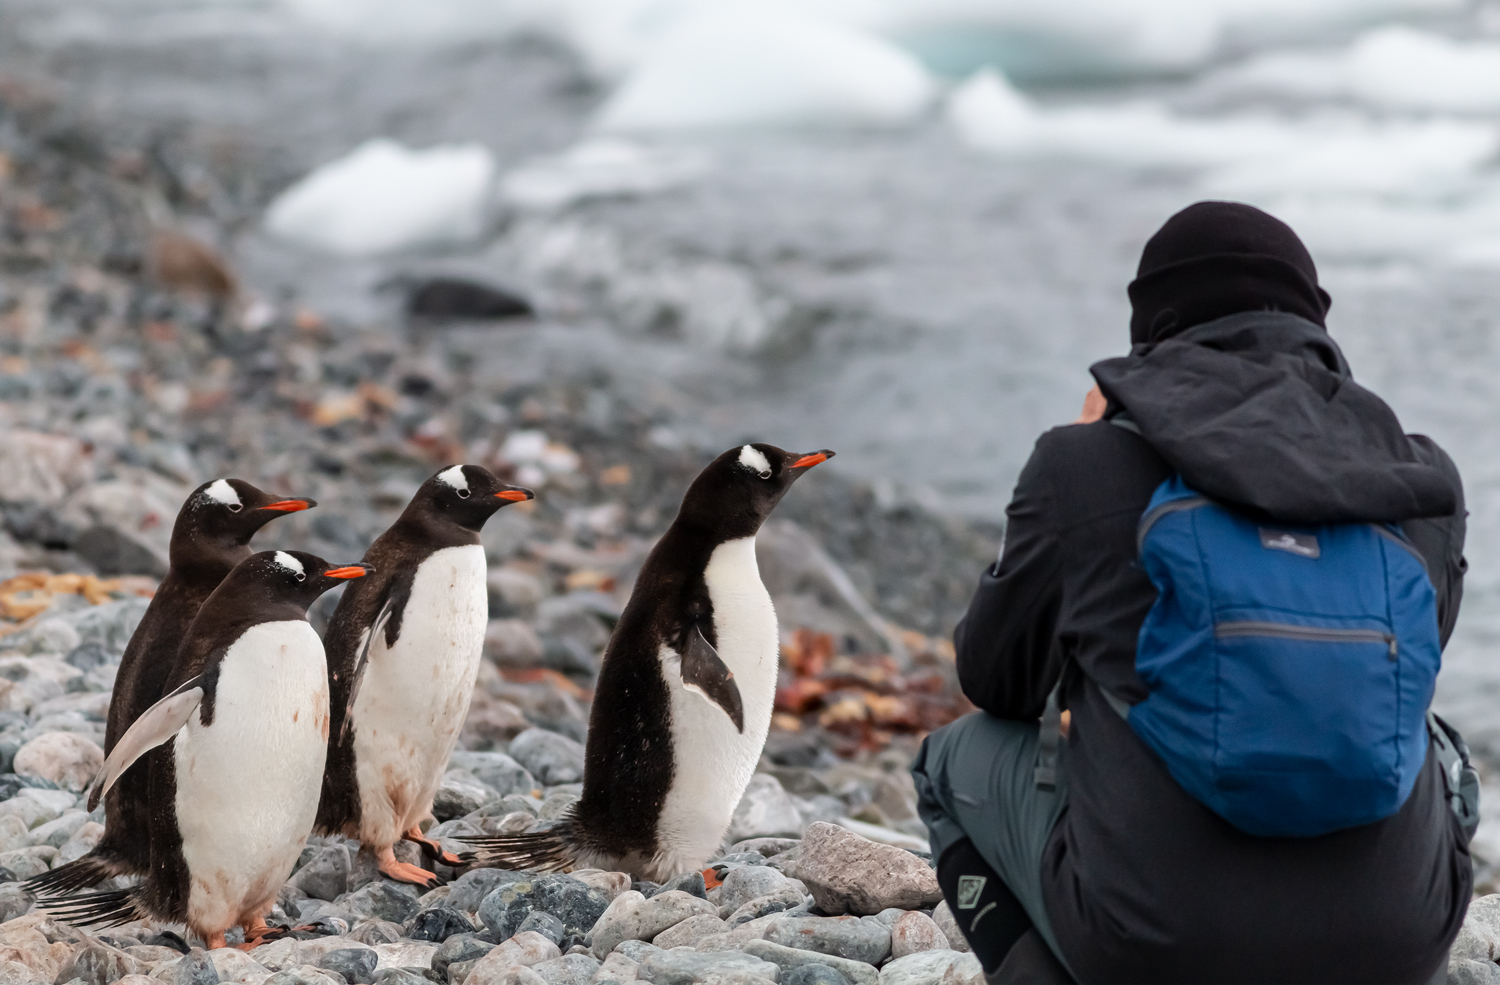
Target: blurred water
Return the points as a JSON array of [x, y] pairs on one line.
[[951, 301]]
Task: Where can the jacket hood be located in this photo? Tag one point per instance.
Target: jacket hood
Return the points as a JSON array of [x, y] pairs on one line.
[[1259, 409]]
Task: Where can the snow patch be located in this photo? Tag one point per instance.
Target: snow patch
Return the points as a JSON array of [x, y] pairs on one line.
[[383, 197]]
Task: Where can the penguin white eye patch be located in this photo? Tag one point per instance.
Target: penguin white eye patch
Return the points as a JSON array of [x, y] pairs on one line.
[[454, 478], [752, 459], [222, 492], [291, 564]]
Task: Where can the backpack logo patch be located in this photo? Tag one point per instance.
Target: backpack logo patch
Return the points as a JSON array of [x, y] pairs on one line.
[[969, 888], [1302, 545]]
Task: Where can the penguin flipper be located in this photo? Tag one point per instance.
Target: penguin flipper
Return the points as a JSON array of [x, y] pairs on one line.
[[156, 725], [705, 672], [363, 661]]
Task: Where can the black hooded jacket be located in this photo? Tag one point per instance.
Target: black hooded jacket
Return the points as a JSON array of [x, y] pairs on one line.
[[1143, 883]]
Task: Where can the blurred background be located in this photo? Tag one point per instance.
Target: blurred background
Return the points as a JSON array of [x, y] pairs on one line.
[[329, 245]]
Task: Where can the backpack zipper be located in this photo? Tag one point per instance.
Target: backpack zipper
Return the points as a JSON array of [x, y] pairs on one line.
[[1312, 634], [1171, 506]]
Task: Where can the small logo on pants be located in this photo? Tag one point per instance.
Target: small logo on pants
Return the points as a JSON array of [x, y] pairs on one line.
[[969, 888]]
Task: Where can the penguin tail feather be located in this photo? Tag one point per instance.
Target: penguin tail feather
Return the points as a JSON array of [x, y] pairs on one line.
[[543, 851], [81, 873], [108, 909]]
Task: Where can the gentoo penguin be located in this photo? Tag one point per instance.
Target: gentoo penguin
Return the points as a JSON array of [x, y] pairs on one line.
[[211, 536], [684, 696], [243, 734], [420, 621]]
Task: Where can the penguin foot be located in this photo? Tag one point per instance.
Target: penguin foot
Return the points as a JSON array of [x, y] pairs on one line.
[[214, 941], [433, 850], [712, 878], [404, 871]]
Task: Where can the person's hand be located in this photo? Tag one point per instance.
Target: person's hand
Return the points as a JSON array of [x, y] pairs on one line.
[[1093, 407]]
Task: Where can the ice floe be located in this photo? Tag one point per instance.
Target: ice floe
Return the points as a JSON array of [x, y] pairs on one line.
[[599, 168], [383, 197]]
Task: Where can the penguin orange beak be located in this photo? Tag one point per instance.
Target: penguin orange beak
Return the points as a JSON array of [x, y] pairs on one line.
[[291, 505], [515, 495], [349, 571], [812, 458]]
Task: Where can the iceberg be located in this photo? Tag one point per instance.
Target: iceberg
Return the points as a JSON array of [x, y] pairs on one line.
[[600, 168], [1403, 68], [767, 66], [383, 197]]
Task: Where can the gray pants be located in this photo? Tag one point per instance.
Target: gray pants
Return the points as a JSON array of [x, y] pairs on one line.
[[976, 779]]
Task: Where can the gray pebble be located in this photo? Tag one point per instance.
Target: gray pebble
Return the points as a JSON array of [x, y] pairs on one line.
[[570, 969], [683, 966], [470, 889], [813, 974], [438, 923], [325, 876], [788, 958], [549, 757], [383, 900], [355, 964], [745, 884], [545, 924], [458, 949], [689, 882], [843, 937]]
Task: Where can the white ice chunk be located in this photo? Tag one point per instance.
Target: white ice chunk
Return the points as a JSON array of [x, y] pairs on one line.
[[1405, 68], [601, 168], [768, 66], [383, 197]]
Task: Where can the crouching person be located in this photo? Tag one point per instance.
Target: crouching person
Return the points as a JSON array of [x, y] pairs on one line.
[[1205, 658]]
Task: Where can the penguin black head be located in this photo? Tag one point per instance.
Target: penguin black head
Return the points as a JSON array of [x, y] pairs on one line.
[[740, 488], [226, 513], [467, 495], [289, 578]]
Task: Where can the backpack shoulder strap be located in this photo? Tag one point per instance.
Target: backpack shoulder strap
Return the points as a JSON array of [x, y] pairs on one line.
[[1460, 778]]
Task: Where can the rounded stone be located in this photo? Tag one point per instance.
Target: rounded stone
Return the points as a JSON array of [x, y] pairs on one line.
[[66, 758]]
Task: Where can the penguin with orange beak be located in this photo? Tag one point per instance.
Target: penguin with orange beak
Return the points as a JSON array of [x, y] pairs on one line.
[[240, 739], [683, 702], [403, 654], [212, 535]]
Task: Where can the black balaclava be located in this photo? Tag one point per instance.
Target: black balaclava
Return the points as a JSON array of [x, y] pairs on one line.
[[1218, 258]]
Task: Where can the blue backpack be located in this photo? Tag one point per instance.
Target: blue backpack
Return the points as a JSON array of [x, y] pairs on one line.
[[1289, 667]]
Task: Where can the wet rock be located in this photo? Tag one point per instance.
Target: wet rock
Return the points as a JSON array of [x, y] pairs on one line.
[[549, 757], [382, 900], [355, 964], [541, 922], [570, 969], [326, 874], [933, 968], [744, 884], [522, 950], [943, 917], [843, 937], [458, 949], [782, 900], [193, 968], [65, 758], [765, 811], [683, 966], [437, 924], [237, 966], [459, 794], [689, 932], [611, 884], [813, 974], [633, 917], [915, 931], [849, 874], [572, 902], [788, 958], [470, 889], [95, 964], [688, 882], [454, 299]]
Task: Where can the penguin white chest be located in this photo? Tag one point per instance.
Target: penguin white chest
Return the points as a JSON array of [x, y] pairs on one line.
[[712, 759], [415, 694], [248, 782]]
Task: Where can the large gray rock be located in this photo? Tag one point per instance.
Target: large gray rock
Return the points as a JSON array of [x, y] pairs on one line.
[[66, 758], [570, 969], [496, 770], [549, 757], [813, 974], [933, 968], [1479, 937], [785, 899], [683, 966], [633, 917], [849, 874], [193, 968], [578, 906], [520, 951], [943, 917], [355, 964], [788, 958], [326, 874], [1467, 971], [689, 932], [94, 964], [915, 931], [747, 882], [470, 889], [843, 937], [458, 950], [382, 900], [460, 793], [765, 811]]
